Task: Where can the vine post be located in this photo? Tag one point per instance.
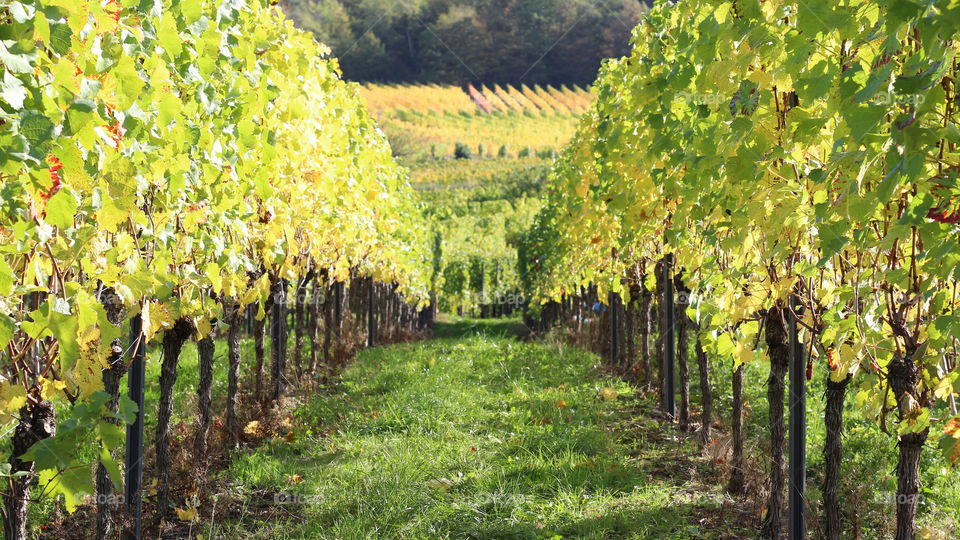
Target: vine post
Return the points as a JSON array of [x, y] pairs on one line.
[[798, 428], [669, 339], [371, 323], [614, 327], [134, 468]]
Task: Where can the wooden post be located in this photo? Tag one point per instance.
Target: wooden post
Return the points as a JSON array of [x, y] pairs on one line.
[[371, 323], [614, 329], [134, 468], [798, 429], [669, 339]]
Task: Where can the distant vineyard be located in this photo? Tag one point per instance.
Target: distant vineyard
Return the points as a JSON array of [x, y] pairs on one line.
[[460, 174], [454, 99], [430, 120], [478, 210]]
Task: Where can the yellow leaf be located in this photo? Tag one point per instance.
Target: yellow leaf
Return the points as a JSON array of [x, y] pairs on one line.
[[561, 404], [87, 373], [295, 478], [49, 387], [944, 389], [781, 289], [252, 428], [203, 326], [849, 362], [441, 484], [212, 271], [189, 514], [762, 78], [745, 354], [582, 189], [156, 318], [13, 397], [608, 394]]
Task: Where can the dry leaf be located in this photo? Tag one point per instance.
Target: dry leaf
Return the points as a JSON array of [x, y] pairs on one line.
[[189, 514], [608, 394], [440, 484]]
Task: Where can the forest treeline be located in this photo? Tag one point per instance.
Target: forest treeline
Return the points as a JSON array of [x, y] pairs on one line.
[[493, 41]]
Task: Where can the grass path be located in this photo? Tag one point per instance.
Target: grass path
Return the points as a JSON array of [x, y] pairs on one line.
[[473, 434]]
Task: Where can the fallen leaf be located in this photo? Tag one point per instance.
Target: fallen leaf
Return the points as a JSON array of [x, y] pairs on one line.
[[295, 478], [440, 484], [189, 514], [608, 394], [252, 427]]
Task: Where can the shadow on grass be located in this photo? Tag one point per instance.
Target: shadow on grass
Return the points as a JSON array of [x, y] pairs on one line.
[[456, 328]]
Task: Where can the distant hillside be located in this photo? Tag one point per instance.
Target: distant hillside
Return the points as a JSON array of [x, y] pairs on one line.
[[491, 41], [437, 121]]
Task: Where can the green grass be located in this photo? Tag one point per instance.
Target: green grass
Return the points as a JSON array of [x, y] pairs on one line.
[[470, 435]]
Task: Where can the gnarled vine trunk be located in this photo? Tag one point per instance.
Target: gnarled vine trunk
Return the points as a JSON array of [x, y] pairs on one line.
[[329, 307], [205, 351], [775, 331], [630, 320], [833, 455], [904, 375], [37, 422], [113, 307], [173, 340]]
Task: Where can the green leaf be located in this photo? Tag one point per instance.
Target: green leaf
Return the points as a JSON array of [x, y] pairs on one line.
[[60, 41], [864, 119], [912, 84], [833, 237], [7, 329], [191, 11], [74, 482], [169, 36], [64, 328], [37, 129], [12, 91], [168, 109], [111, 465], [111, 435], [127, 409], [901, 11], [61, 209], [129, 83], [79, 115], [16, 58]]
